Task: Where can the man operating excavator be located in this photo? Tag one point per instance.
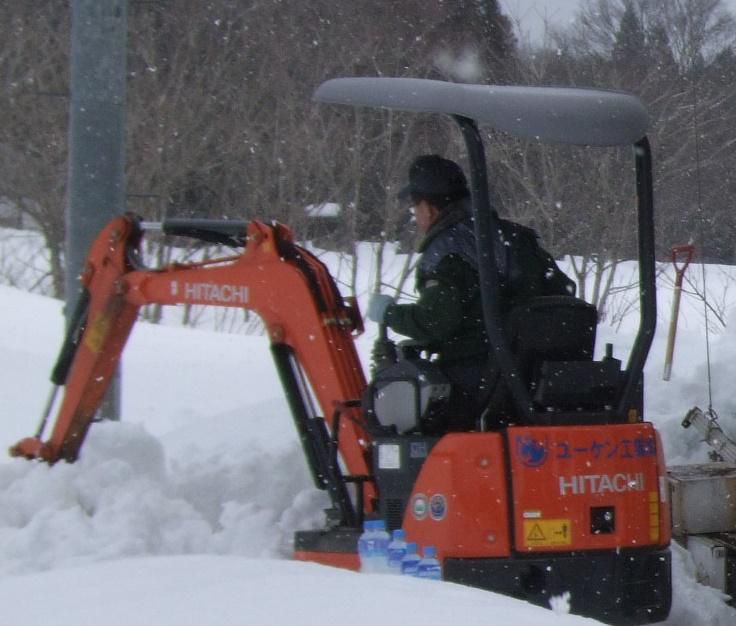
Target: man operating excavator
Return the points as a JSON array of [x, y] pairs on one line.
[[447, 318]]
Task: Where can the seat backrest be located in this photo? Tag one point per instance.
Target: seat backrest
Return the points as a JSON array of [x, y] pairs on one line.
[[551, 328]]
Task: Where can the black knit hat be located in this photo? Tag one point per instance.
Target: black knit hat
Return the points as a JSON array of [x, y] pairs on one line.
[[431, 175]]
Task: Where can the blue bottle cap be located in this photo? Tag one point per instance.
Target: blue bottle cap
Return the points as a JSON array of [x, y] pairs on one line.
[[430, 552], [399, 534], [411, 547]]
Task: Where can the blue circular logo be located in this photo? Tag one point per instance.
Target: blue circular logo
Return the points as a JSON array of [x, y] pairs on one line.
[[531, 452], [438, 507]]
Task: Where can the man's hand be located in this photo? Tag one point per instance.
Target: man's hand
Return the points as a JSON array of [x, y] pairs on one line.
[[377, 306], [383, 355]]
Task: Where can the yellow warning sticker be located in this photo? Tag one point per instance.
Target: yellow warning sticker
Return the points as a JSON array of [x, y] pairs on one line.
[[547, 532], [97, 333]]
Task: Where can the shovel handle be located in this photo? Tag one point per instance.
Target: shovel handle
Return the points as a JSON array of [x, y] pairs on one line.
[[681, 258]]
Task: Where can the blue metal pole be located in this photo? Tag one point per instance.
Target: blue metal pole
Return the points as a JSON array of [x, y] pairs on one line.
[[96, 184]]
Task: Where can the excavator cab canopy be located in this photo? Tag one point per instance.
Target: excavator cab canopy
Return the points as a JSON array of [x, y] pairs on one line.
[[589, 117]]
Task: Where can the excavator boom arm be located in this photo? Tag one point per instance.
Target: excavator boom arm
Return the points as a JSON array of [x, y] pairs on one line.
[[284, 284]]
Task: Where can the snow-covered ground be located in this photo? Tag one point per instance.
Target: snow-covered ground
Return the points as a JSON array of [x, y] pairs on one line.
[[183, 513]]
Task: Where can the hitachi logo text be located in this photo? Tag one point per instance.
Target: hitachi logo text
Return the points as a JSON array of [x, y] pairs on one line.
[[222, 294], [601, 483]]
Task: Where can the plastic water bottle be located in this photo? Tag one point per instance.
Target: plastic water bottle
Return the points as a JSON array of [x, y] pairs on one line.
[[429, 567], [373, 547], [366, 548], [381, 547], [396, 550], [410, 562]]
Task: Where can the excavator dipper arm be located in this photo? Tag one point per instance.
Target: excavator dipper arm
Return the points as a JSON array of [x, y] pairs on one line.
[[284, 284]]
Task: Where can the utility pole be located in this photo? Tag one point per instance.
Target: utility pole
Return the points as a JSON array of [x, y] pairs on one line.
[[96, 185]]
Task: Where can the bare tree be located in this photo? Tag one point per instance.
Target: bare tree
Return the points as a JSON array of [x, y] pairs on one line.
[[221, 123], [667, 53], [34, 108]]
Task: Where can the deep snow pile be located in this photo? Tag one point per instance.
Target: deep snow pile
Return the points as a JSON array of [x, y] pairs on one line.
[[125, 498], [207, 462]]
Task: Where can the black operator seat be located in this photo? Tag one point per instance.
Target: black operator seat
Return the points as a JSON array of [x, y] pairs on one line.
[[553, 339]]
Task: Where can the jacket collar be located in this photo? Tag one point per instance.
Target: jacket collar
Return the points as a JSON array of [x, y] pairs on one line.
[[452, 214]]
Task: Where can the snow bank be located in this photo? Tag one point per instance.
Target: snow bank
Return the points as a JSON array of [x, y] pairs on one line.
[[227, 591], [124, 498]]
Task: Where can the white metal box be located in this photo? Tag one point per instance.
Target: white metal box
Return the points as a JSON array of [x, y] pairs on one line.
[[711, 561], [703, 498]]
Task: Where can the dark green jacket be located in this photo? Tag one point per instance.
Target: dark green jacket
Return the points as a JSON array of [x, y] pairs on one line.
[[447, 317]]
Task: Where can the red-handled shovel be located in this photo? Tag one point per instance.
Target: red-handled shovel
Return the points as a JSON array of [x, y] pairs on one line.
[[681, 257]]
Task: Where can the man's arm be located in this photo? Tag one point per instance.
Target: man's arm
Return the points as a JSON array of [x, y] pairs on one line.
[[443, 302]]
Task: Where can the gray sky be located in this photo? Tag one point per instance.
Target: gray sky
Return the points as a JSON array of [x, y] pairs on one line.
[[534, 13]]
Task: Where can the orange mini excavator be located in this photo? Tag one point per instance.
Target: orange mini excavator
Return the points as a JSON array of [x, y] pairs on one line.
[[569, 496]]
